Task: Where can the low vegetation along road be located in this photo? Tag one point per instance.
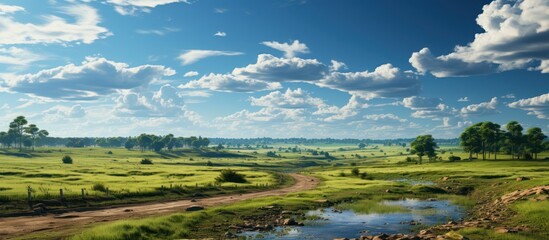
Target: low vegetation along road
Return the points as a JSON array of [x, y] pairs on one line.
[[17, 226]]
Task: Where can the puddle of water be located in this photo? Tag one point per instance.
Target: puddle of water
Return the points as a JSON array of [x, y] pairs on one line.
[[414, 182], [352, 225]]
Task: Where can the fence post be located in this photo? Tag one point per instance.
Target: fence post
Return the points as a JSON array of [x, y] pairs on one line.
[[83, 196], [61, 194], [107, 191], [29, 196]]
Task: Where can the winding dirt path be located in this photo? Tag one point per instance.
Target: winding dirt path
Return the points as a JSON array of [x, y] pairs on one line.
[[17, 226]]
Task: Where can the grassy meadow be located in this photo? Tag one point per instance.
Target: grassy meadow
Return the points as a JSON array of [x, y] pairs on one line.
[[383, 174], [119, 170]]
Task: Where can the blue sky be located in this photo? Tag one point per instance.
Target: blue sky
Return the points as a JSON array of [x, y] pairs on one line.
[[295, 68]]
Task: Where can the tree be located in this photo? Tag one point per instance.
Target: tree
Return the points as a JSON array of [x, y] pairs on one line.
[[35, 133], [534, 141], [361, 145], [18, 125], [487, 131], [144, 141], [157, 145], [470, 140], [7, 138], [515, 139], [169, 141], [424, 145], [130, 143]]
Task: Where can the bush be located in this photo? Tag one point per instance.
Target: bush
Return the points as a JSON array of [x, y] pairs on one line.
[[364, 175], [146, 161], [67, 159], [454, 158], [100, 187], [355, 171], [209, 163], [109, 152], [228, 175]]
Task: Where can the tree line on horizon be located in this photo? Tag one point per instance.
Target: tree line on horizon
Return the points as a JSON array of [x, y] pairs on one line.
[[487, 138], [144, 142], [22, 134]]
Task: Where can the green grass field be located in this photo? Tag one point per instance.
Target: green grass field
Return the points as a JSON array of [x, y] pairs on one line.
[[119, 170], [483, 179]]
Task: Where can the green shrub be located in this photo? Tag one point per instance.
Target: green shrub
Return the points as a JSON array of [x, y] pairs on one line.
[[67, 159], [355, 171], [100, 187], [146, 161], [209, 163], [228, 175], [454, 158]]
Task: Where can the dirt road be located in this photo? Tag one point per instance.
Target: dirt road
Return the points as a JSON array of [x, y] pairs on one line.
[[17, 226]]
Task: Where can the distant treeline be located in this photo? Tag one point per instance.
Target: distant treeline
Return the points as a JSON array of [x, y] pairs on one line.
[[143, 142], [240, 142], [232, 142]]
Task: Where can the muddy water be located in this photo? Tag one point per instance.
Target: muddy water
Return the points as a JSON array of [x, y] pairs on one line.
[[335, 224]]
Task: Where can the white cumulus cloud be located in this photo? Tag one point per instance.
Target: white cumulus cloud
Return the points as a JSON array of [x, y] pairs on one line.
[[8, 9], [480, 109], [384, 81], [18, 56], [132, 7], [220, 34], [230, 83], [515, 36], [538, 106], [191, 74], [290, 50], [93, 78], [290, 99], [55, 29], [192, 56]]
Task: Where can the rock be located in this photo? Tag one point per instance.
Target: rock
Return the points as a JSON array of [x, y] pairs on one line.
[[445, 178], [381, 236], [451, 223], [341, 239], [388, 190], [541, 191], [194, 208], [289, 222], [425, 232], [128, 210], [503, 230], [431, 199], [229, 235], [454, 236], [193, 200], [519, 179]]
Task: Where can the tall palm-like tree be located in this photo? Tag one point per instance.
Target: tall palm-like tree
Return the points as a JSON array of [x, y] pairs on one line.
[[18, 125], [34, 132]]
